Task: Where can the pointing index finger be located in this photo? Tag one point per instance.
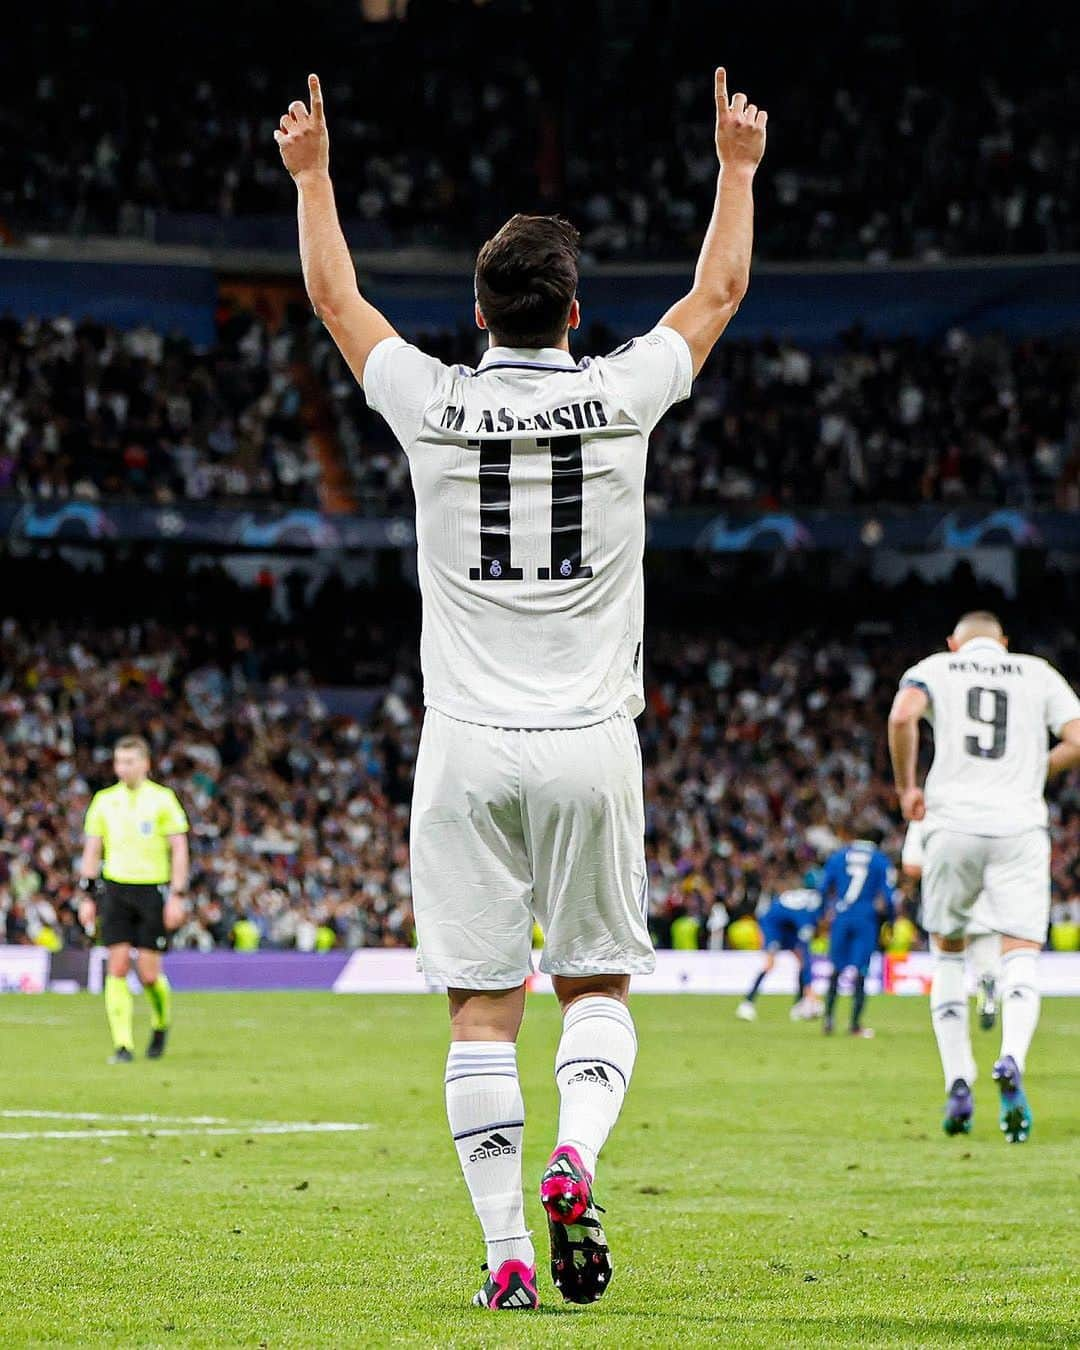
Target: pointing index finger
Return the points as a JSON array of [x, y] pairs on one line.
[[721, 86], [316, 98]]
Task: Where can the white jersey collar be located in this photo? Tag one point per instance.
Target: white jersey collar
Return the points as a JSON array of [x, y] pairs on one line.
[[527, 358]]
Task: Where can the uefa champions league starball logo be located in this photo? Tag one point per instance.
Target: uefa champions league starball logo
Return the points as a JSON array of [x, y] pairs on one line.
[[496, 568]]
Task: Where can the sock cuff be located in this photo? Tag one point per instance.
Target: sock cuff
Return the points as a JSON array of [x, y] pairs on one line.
[[949, 958], [598, 1007], [476, 1059], [1019, 954]]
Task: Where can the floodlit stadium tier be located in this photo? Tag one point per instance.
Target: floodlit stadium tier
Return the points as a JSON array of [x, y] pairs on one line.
[[892, 148]]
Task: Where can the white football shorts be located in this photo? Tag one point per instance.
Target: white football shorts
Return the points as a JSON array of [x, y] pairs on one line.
[[513, 827], [1012, 872]]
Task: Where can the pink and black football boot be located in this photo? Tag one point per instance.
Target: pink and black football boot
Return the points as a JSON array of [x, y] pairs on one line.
[[581, 1265], [513, 1285]]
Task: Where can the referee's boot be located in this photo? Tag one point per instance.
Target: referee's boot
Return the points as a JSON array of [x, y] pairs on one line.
[[156, 1048], [121, 1055]]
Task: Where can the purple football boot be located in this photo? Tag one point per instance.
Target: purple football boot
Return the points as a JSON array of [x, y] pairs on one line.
[[959, 1109]]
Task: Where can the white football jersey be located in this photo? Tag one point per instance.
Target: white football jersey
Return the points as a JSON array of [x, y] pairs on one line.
[[990, 710], [529, 476]]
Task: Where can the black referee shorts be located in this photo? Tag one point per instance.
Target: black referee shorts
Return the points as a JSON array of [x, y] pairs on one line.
[[133, 914]]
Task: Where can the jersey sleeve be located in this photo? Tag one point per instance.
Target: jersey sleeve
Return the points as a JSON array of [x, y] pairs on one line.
[[919, 676], [651, 373], [1061, 705], [94, 825], [399, 383], [172, 818]]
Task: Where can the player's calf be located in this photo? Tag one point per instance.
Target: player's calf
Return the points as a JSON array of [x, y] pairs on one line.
[[593, 1065], [486, 1114]]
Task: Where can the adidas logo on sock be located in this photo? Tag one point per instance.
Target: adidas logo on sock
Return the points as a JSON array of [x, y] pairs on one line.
[[595, 1073], [494, 1146]]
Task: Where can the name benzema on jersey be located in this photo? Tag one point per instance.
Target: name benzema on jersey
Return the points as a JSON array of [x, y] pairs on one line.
[[967, 666]]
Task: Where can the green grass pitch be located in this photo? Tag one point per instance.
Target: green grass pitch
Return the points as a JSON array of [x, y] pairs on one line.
[[765, 1186]]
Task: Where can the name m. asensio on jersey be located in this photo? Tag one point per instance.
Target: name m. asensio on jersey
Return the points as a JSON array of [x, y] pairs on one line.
[[589, 413]]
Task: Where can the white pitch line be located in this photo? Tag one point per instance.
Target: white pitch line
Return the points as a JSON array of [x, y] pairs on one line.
[[281, 1127], [142, 1118]]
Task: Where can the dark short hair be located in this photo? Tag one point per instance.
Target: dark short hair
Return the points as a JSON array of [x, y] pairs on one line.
[[526, 280]]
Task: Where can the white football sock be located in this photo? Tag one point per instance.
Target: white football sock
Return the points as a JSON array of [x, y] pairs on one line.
[[984, 953], [592, 1069], [487, 1119], [1020, 1002], [949, 1014]]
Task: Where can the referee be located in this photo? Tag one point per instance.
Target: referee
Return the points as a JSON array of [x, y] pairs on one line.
[[140, 828]]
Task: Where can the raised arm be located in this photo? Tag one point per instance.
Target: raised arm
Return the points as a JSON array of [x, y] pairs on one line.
[[908, 707], [354, 324], [723, 268]]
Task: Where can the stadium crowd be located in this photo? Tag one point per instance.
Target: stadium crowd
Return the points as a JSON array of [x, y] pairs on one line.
[[904, 153], [87, 412], [755, 756]]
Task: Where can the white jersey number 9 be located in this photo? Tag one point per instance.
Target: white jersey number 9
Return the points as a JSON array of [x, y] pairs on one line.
[[990, 709]]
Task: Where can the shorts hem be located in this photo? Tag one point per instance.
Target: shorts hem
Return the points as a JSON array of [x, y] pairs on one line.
[[479, 984], [582, 970]]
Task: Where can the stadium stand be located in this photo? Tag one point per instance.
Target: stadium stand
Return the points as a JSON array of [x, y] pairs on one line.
[[905, 153], [88, 411]]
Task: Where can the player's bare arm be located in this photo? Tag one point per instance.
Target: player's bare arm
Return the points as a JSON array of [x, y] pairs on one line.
[[908, 707], [329, 275], [1066, 754], [178, 880], [89, 871], [723, 268]]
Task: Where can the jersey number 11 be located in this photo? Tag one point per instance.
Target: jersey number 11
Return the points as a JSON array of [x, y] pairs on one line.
[[567, 480]]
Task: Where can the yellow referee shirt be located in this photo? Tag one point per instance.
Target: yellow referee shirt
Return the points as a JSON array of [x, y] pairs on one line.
[[134, 826]]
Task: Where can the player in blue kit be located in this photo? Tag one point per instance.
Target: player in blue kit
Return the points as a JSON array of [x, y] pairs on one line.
[[857, 890], [788, 924]]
